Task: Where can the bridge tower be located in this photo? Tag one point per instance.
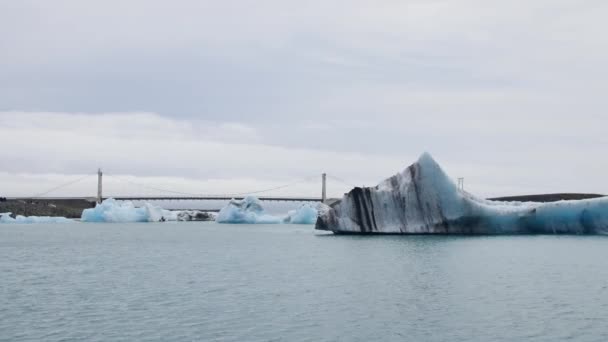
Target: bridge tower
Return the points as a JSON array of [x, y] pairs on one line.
[[323, 187], [99, 185]]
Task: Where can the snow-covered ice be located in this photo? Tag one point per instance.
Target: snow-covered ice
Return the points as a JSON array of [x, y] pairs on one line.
[[424, 200]]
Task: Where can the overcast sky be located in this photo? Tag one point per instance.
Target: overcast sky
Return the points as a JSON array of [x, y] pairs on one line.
[[233, 96]]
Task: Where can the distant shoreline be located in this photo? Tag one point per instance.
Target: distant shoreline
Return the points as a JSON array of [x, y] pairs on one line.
[[547, 197], [70, 208]]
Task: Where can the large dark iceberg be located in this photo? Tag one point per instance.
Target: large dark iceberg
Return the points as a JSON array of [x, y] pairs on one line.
[[424, 200]]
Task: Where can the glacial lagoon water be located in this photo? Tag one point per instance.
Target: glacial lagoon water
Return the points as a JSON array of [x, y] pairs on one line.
[[210, 282]]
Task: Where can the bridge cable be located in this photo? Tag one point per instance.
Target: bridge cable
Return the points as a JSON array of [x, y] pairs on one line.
[[202, 195], [151, 187], [339, 180], [274, 188], [61, 186]]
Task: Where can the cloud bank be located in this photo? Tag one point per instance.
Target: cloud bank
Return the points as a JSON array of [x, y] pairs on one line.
[[198, 157], [509, 95]]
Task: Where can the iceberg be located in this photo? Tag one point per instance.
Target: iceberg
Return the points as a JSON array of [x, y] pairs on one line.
[[9, 218], [424, 200], [111, 210], [305, 214], [248, 210]]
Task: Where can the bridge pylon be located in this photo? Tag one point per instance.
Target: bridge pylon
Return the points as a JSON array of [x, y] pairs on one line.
[[99, 185], [323, 187]]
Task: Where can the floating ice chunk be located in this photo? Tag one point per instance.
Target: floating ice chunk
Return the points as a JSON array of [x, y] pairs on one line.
[[195, 215], [250, 210], [112, 210], [247, 210], [423, 200], [8, 218], [158, 214], [305, 214]]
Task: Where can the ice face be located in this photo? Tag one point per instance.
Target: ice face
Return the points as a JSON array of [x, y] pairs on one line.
[[111, 210], [423, 200], [7, 218]]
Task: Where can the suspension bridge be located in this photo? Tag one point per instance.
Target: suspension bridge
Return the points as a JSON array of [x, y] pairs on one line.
[[48, 203], [174, 195]]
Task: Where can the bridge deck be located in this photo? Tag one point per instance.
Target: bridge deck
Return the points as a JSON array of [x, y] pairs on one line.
[[218, 198], [175, 198]]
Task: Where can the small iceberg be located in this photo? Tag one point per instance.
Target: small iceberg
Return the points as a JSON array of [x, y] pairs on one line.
[[195, 215], [250, 210], [115, 211], [305, 214], [19, 219]]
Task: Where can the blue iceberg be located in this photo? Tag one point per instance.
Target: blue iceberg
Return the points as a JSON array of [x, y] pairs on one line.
[[112, 210], [250, 210], [424, 200], [305, 214]]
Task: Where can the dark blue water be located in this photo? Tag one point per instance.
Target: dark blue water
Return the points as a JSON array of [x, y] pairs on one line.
[[208, 282]]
